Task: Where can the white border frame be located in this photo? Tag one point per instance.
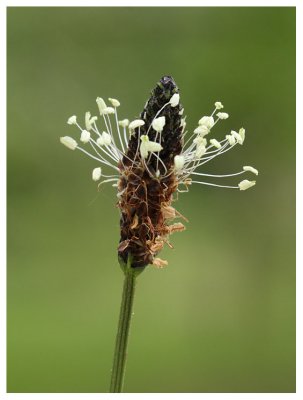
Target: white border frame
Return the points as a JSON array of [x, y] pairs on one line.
[[156, 3]]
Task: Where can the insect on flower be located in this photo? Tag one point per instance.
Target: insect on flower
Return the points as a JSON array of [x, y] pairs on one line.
[[151, 161]]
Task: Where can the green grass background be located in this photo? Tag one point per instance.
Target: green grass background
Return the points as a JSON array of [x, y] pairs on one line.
[[221, 316]]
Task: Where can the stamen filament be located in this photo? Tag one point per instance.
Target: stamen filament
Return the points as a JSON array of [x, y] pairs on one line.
[[213, 184]]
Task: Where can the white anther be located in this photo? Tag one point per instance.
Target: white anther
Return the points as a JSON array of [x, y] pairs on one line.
[[158, 124], [114, 102], [96, 174], [69, 142], [250, 169], [179, 162], [237, 136], [72, 120], [207, 121], [246, 184], [108, 110], [174, 100], [218, 105], [135, 124], [85, 136], [104, 140], [215, 143], [89, 120], [222, 115], [200, 151], [231, 139], [124, 123], [101, 105], [147, 146], [202, 130]]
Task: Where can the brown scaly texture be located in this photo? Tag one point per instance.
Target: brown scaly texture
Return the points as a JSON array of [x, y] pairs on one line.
[[145, 201]]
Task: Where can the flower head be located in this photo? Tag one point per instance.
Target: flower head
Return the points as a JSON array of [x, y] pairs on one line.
[[151, 161]]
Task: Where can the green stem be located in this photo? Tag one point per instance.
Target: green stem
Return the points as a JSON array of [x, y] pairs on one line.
[[120, 355]]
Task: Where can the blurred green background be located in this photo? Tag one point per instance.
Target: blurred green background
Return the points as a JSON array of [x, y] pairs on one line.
[[221, 316]]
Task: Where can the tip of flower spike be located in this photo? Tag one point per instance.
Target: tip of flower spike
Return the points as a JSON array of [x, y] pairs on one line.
[[96, 174], [246, 184], [222, 115], [69, 142], [114, 102], [218, 105], [251, 169], [85, 136], [158, 124], [72, 120], [174, 100]]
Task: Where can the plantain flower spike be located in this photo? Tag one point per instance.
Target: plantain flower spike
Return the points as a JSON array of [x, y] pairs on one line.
[[152, 159]]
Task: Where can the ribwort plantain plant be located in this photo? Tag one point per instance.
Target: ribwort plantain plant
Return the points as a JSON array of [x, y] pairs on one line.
[[152, 161]]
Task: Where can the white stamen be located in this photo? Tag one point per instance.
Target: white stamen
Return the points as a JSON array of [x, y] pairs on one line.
[[135, 124], [174, 100], [231, 139], [202, 130], [250, 169], [96, 174], [195, 151], [179, 162], [200, 151], [199, 140], [101, 104], [104, 139], [147, 146], [69, 142], [207, 121], [72, 120], [213, 184], [218, 105], [158, 124], [244, 185], [222, 115], [124, 123], [242, 134], [215, 143], [114, 102], [89, 121], [85, 136], [237, 136], [108, 110]]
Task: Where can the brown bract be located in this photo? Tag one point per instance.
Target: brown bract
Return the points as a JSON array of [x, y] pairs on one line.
[[146, 215]]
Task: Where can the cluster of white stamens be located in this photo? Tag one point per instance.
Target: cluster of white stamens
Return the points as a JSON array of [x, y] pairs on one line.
[[109, 148]]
